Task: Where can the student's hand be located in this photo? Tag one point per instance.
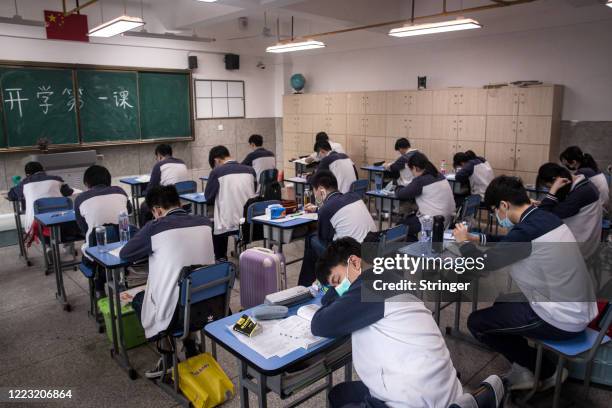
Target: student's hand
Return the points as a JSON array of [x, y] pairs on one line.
[[534, 202], [461, 233], [386, 165], [559, 182], [310, 208]]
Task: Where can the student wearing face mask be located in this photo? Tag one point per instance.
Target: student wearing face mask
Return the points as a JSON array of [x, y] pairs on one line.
[[399, 168], [575, 200], [557, 296], [339, 215], [323, 137], [430, 190], [398, 351], [338, 163], [583, 163], [476, 171]]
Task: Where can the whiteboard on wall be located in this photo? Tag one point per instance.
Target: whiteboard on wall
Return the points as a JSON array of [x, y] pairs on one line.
[[219, 99]]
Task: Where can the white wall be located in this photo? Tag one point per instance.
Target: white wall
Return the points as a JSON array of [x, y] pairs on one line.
[[577, 56]]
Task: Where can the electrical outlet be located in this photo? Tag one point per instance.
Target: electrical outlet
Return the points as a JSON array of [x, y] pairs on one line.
[[220, 127]]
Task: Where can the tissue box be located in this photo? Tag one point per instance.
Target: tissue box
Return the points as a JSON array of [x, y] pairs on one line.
[[277, 212]]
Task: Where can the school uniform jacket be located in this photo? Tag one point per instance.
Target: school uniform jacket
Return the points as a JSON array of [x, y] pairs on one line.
[[344, 215], [581, 211], [168, 172], [432, 194], [229, 187], [342, 167], [479, 173], [260, 159], [98, 206], [171, 243], [401, 166], [336, 147], [398, 351], [547, 266], [35, 186], [600, 181]]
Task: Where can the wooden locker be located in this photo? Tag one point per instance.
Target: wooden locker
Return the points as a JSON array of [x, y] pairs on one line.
[[375, 103], [291, 104], [423, 145], [472, 101], [501, 129], [338, 138], [375, 148], [534, 129], [442, 150], [312, 103], [530, 157], [375, 125], [336, 103], [500, 155], [355, 103], [527, 176], [355, 124], [291, 123], [422, 103], [305, 143], [445, 101], [475, 146], [503, 101], [305, 123], [444, 127], [471, 127], [356, 148], [398, 103], [320, 123], [537, 101], [419, 126], [397, 126], [390, 153], [336, 123]]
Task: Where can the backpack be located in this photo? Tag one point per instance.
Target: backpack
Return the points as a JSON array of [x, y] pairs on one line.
[[271, 191]]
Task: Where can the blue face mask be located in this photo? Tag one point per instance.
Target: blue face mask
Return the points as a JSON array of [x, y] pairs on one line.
[[344, 286], [504, 223]]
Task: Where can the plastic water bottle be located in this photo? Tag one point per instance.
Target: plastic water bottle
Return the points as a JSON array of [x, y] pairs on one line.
[[378, 182], [306, 198], [101, 238], [426, 228], [443, 167], [124, 227]]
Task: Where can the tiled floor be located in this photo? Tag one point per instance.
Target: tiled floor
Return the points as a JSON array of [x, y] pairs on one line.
[[42, 346]]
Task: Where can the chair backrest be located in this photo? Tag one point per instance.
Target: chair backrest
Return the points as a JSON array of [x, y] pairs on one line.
[[186, 187], [258, 208], [268, 176], [360, 186], [395, 234], [45, 205]]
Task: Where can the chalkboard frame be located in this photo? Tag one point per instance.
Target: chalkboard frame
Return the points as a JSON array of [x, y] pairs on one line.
[[87, 145]]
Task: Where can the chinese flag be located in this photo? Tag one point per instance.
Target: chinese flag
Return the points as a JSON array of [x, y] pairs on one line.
[[73, 27]]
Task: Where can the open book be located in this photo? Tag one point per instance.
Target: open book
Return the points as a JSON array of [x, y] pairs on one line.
[[296, 329]]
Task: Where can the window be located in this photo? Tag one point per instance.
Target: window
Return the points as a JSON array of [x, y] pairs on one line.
[[219, 99]]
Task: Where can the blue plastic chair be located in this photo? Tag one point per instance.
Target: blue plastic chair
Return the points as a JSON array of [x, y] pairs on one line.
[[254, 210], [360, 186], [45, 205], [186, 187], [395, 234]]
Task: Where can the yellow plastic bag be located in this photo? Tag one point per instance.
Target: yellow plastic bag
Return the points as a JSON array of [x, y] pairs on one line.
[[203, 381]]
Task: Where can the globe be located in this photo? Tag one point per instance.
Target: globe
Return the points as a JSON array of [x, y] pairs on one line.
[[297, 82]]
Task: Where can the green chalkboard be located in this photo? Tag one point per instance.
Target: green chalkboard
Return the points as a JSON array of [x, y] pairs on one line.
[[38, 103], [164, 105], [109, 109]]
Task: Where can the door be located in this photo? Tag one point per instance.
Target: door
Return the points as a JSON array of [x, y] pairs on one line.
[[502, 101], [534, 129], [444, 127], [530, 157], [471, 127], [500, 155], [501, 129], [375, 103], [537, 101], [355, 103], [472, 101]]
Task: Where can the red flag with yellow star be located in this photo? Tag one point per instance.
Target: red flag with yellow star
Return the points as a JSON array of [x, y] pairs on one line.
[[72, 27]]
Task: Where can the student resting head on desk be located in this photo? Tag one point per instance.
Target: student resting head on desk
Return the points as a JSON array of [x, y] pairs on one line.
[[583, 163], [429, 189], [475, 170], [338, 163], [323, 137], [398, 351], [260, 158], [339, 215], [575, 200], [101, 204], [230, 185], [557, 297], [399, 168], [175, 239]]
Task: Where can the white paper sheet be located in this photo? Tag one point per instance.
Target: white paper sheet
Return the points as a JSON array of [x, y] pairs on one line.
[[115, 252], [143, 179]]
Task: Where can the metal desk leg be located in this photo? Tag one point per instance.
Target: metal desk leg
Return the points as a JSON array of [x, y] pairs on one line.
[[379, 210], [22, 248], [244, 391], [135, 206], [44, 249], [262, 396], [57, 267]]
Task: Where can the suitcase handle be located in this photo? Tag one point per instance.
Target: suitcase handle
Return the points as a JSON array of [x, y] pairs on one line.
[[262, 249]]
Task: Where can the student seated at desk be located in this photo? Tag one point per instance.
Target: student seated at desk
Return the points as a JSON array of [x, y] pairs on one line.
[[175, 239], [100, 204], [430, 190], [583, 163], [399, 168], [557, 297], [260, 158], [339, 215], [575, 200], [323, 137], [398, 350], [230, 185], [339, 163], [37, 184], [476, 171]]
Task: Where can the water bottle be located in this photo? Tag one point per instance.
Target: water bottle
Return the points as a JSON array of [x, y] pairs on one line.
[[124, 228], [101, 238], [438, 234], [426, 228], [443, 167], [306, 198]]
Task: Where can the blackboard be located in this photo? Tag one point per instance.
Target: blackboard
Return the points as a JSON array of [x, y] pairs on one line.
[[108, 106], [165, 107], [38, 104]]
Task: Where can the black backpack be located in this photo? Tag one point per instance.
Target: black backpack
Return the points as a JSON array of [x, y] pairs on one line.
[[271, 191]]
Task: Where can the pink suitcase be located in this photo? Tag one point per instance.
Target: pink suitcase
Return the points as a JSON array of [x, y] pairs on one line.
[[262, 271]]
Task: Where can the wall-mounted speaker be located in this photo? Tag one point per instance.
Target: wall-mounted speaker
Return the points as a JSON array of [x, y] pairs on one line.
[[232, 61], [192, 61]]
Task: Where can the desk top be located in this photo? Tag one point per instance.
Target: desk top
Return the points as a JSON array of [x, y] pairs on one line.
[[56, 217], [292, 222], [205, 178], [219, 331], [134, 180], [107, 259], [533, 189], [197, 198], [381, 194], [299, 180], [373, 168]]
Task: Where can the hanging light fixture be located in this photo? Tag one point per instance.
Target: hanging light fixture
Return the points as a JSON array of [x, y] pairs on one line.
[[117, 25], [433, 28], [293, 45]]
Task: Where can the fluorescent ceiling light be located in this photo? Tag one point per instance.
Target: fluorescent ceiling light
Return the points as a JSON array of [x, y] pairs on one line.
[[116, 26], [208, 1], [168, 36], [18, 20], [609, 3], [295, 46], [432, 28]]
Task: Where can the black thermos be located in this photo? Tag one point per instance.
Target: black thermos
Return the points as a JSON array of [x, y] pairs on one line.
[[437, 235]]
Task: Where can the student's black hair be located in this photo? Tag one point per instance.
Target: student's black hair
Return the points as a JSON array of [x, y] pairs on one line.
[[506, 188], [322, 144], [337, 253], [470, 154], [321, 136], [163, 196], [402, 143], [548, 172], [217, 152], [325, 179], [257, 140], [574, 153], [459, 158], [97, 175], [163, 150], [421, 161], [33, 167]]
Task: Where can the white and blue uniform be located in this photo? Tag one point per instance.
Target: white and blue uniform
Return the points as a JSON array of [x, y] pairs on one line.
[[581, 211], [336, 147], [398, 351], [400, 166], [600, 181], [229, 187], [171, 243], [260, 159], [168, 172], [344, 215], [342, 167], [479, 173], [432, 194], [35, 186]]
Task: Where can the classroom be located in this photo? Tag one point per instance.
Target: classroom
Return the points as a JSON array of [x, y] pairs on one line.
[[306, 203]]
